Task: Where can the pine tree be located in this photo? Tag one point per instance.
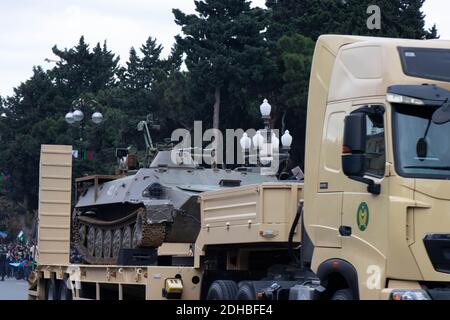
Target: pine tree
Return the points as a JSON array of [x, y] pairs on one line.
[[311, 18], [142, 72], [152, 66], [225, 48], [130, 75], [79, 70], [432, 33]]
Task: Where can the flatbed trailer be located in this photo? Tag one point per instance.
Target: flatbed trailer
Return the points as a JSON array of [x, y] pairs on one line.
[[257, 218]]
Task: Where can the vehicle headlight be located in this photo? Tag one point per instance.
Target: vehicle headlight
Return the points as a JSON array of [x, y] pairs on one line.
[[396, 98], [409, 295]]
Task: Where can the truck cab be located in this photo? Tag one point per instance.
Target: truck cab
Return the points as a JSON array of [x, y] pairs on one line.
[[377, 167]]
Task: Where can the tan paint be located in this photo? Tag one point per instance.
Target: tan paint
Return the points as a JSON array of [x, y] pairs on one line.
[[250, 214], [361, 71], [54, 204], [152, 278]]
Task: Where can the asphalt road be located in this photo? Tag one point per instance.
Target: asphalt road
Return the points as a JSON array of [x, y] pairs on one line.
[[12, 289]]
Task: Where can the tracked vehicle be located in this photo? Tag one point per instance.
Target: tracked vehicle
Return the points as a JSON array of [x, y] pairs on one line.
[[155, 205]]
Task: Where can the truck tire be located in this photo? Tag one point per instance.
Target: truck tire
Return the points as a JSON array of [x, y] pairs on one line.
[[51, 291], [222, 290], [343, 294], [64, 292], [246, 291]]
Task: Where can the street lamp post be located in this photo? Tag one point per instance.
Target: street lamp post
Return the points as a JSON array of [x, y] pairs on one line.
[[246, 144], [266, 109], [273, 142], [78, 110]]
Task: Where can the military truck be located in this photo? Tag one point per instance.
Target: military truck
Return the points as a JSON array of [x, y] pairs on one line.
[[370, 220]]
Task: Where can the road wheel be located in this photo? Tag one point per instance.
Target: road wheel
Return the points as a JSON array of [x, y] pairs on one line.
[[91, 241], [222, 290], [117, 243], [82, 233], [52, 289], [135, 241], [246, 291], [107, 244], [127, 238], [99, 243], [64, 292], [343, 294]]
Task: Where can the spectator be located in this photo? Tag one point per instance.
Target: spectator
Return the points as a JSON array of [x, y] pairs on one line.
[[2, 264]]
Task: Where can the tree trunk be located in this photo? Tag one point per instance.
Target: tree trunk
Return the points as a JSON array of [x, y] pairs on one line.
[[216, 117]]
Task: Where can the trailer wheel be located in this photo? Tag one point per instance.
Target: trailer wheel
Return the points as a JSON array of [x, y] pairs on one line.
[[343, 294], [222, 290], [51, 289], [64, 292], [246, 291]]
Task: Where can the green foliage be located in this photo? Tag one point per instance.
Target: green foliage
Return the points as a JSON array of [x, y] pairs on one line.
[[296, 54], [226, 53], [311, 18], [81, 70], [142, 72], [9, 213]]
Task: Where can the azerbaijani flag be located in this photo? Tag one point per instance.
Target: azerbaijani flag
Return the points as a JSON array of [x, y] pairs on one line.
[[89, 155]]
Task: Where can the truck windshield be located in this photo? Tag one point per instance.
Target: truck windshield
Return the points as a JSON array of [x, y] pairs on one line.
[[422, 148], [426, 63]]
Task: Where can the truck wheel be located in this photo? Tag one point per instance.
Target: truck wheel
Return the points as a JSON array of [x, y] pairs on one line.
[[222, 290], [52, 289], [246, 292], [343, 294], [64, 292]]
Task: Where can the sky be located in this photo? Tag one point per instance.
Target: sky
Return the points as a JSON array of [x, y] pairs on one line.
[[30, 28]]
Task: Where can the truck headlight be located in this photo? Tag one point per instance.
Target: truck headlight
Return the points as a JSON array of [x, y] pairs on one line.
[[409, 295], [396, 98]]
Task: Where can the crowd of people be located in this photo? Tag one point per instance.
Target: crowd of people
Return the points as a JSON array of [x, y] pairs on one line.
[[16, 260]]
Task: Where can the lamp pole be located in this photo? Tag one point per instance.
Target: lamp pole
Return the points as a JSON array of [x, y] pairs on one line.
[[77, 114], [272, 141], [266, 110]]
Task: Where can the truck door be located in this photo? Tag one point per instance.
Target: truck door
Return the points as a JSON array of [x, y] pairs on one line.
[[364, 214], [328, 202]]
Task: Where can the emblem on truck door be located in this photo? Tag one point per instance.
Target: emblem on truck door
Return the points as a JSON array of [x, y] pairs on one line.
[[362, 217]]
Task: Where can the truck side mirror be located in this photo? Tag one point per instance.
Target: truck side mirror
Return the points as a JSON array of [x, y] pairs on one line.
[[354, 147]]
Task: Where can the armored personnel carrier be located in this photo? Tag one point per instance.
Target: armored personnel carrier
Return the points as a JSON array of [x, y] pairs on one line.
[[157, 204]]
